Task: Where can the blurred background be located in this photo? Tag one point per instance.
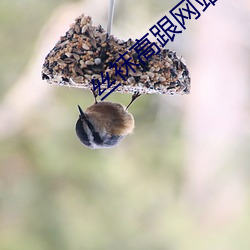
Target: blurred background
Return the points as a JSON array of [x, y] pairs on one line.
[[180, 182]]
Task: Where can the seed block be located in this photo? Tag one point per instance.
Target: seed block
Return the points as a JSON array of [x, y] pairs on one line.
[[86, 51]]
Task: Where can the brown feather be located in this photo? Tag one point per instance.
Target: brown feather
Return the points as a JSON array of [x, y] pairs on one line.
[[112, 117]]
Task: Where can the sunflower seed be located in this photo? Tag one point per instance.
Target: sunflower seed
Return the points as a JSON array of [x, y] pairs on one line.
[[88, 62], [85, 46]]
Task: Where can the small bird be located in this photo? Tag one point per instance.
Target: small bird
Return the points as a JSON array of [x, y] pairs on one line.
[[104, 124]]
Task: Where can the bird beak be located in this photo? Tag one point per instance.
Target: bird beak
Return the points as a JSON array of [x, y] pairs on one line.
[[82, 115]]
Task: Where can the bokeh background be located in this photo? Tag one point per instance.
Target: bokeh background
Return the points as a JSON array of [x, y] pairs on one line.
[[180, 182]]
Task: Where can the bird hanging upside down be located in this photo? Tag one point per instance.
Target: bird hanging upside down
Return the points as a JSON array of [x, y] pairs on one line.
[[104, 124]]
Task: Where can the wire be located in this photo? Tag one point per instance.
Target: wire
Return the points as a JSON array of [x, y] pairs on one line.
[[110, 15]]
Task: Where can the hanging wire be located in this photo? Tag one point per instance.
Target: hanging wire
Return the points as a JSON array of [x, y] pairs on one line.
[[110, 16]]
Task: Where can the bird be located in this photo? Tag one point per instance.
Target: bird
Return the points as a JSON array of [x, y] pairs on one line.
[[104, 124]]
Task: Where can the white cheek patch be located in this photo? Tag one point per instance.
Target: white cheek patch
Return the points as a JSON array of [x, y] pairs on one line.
[[89, 133]]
